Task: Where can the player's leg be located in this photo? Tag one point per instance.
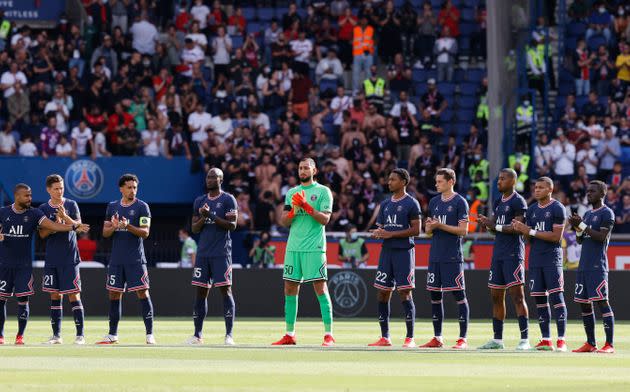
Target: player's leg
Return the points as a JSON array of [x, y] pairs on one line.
[[292, 277], [6, 291], [404, 264], [517, 293], [384, 284], [554, 280], [538, 290], [608, 318], [496, 283], [581, 297], [453, 280], [202, 281], [70, 285], [3, 317], [147, 313], [291, 293], [325, 307], [115, 286], [434, 286], [23, 289], [222, 278], [137, 278], [50, 284], [78, 314]]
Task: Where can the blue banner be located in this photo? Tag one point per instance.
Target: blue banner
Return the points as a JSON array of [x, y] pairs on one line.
[[87, 181], [40, 10]]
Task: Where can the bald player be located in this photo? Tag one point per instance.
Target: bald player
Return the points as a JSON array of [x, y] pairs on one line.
[[214, 217]]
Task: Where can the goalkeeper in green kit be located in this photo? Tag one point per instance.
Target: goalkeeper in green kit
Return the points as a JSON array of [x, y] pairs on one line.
[[307, 210]]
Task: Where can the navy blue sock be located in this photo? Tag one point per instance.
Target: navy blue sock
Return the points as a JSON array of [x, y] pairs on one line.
[[588, 318], [23, 312], [383, 318], [56, 310], [410, 316], [497, 327], [3, 315], [199, 314], [437, 312], [115, 312], [79, 316], [464, 312], [560, 312], [147, 314], [609, 323], [544, 315], [229, 310], [523, 326]]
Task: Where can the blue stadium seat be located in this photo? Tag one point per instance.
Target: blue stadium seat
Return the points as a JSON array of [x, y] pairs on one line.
[[466, 102], [580, 101], [249, 13], [462, 129], [625, 155], [237, 41], [254, 27], [468, 88], [596, 41], [475, 74], [432, 74], [419, 89], [280, 12], [265, 14], [436, 4], [459, 75], [566, 87], [466, 29], [466, 116], [576, 29], [463, 44], [419, 75], [306, 133], [326, 84], [602, 100], [467, 14], [446, 88], [447, 115], [570, 43]]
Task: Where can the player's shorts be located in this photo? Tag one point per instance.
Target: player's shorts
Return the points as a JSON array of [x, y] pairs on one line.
[[445, 277], [545, 280], [64, 279], [305, 266], [505, 273], [396, 269], [132, 277], [211, 271], [591, 286], [16, 281]]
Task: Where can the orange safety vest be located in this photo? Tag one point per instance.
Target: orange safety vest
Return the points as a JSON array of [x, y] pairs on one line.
[[363, 40], [472, 216]]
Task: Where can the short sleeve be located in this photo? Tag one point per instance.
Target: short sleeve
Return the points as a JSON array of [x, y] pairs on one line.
[[325, 204], [145, 216], [287, 197], [414, 210], [559, 215], [608, 219], [76, 213], [231, 206], [528, 214], [520, 207], [38, 215], [379, 217], [462, 211], [430, 212], [196, 207], [109, 212]]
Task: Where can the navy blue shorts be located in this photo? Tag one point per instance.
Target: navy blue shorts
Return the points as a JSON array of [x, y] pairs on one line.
[[62, 279], [591, 286], [505, 273], [16, 280], [396, 269], [545, 280], [132, 277], [212, 271], [445, 277]]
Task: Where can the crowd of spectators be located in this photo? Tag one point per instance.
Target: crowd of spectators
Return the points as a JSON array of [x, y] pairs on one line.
[[203, 80], [593, 109]]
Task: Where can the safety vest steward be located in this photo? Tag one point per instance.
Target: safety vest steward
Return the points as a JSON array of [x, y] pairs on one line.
[[525, 111], [363, 40], [352, 248], [377, 88], [5, 28]]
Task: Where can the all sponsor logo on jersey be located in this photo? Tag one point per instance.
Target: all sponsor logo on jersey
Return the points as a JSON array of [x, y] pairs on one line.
[[348, 292], [84, 179]]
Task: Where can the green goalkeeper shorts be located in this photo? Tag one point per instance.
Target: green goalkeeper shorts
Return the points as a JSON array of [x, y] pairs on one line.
[[305, 266]]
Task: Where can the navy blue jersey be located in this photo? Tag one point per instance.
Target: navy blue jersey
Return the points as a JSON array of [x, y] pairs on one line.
[[214, 240], [594, 257], [509, 246], [18, 228], [126, 247], [544, 218], [61, 248], [396, 215], [447, 247]]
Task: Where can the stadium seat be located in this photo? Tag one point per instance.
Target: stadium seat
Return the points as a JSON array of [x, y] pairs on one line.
[[603, 101], [466, 29], [249, 13], [237, 41], [570, 43], [467, 14], [466, 116], [306, 133], [462, 129], [576, 29], [436, 4], [596, 41], [468, 88], [447, 115], [459, 75], [419, 75], [580, 101], [464, 44], [280, 12], [475, 74], [466, 102], [326, 84], [254, 27], [446, 88], [625, 155], [566, 87], [419, 89], [265, 14]]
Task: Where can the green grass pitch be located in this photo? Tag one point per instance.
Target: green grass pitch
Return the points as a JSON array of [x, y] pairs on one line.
[[253, 365]]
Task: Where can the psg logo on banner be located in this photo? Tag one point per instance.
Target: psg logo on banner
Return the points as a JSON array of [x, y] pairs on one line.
[[84, 179], [348, 292]]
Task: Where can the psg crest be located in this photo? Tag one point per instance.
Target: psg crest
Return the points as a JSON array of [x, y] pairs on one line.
[[84, 179], [348, 292]]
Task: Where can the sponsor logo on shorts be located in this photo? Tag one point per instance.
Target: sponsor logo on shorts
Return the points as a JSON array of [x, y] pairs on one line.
[[348, 292]]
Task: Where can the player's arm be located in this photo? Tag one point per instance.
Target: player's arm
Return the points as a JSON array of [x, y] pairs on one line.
[[47, 224], [491, 225], [549, 236], [460, 230], [596, 235], [322, 217], [287, 216], [229, 223], [412, 231], [141, 231]]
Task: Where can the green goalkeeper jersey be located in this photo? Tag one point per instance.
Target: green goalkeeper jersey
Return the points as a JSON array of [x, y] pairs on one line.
[[306, 234]]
